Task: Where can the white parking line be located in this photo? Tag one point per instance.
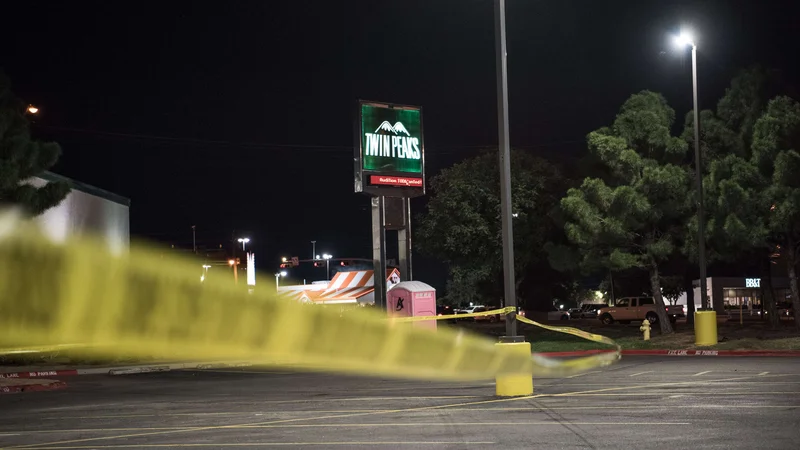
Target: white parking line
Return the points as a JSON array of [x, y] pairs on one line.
[[701, 373], [762, 374], [640, 373], [582, 374]]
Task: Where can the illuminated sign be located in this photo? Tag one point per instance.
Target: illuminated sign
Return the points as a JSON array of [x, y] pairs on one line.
[[395, 181], [390, 151], [752, 282]]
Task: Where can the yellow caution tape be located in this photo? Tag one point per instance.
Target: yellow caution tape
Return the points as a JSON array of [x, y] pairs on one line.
[[150, 303], [584, 362], [494, 312]]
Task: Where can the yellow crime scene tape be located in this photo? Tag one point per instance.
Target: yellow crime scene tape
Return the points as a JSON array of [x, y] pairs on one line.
[[576, 364], [149, 303]]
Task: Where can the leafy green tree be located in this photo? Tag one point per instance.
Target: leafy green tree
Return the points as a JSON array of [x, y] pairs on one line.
[[461, 225], [736, 207], [22, 158], [776, 154], [632, 219]]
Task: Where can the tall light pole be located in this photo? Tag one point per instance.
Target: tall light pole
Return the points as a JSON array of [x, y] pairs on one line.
[[244, 242], [194, 240], [327, 259], [683, 40], [314, 250], [205, 272], [278, 277], [509, 287]]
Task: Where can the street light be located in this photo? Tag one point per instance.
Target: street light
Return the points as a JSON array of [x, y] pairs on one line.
[[31, 109], [507, 233], [244, 242], [683, 40], [205, 271], [327, 259], [278, 275]]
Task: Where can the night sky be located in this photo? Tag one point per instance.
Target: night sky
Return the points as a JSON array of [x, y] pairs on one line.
[[239, 115]]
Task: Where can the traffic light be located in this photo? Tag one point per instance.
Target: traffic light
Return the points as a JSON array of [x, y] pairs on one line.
[[344, 263]]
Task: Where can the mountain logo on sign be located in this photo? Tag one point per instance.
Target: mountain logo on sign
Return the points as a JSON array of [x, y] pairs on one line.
[[396, 128]]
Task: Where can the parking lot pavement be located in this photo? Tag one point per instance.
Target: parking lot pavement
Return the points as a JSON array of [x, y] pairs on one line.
[[644, 402]]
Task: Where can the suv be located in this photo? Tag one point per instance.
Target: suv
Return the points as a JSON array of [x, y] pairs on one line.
[[628, 309]]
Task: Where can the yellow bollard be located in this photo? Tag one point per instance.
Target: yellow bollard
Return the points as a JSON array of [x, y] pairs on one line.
[[514, 384], [646, 329], [705, 327]]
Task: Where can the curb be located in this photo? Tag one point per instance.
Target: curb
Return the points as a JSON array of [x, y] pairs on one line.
[[665, 352], [124, 370], [33, 388]]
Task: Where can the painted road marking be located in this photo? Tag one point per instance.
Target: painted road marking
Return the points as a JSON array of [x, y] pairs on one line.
[[390, 411], [640, 373], [222, 427], [762, 374], [660, 394], [361, 425], [582, 374], [701, 373], [281, 444]]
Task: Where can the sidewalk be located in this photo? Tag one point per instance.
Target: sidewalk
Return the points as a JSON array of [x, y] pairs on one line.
[[13, 386]]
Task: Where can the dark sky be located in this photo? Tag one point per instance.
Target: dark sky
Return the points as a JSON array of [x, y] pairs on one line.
[[238, 115]]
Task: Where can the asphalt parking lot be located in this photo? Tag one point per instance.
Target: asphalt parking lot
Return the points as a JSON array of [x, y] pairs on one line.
[[642, 402]]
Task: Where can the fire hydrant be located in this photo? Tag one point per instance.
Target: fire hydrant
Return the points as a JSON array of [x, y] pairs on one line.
[[646, 329]]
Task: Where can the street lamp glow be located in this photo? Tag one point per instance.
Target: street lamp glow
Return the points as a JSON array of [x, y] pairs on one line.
[[244, 242], [32, 109], [283, 259], [684, 39], [327, 259], [206, 266], [278, 279], [231, 262]]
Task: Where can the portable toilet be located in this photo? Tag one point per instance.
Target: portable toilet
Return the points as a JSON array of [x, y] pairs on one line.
[[412, 299]]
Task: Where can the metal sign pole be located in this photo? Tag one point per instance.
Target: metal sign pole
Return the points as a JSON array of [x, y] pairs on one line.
[[379, 250], [404, 242]]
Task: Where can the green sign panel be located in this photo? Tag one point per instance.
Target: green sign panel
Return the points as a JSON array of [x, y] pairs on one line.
[[391, 139]]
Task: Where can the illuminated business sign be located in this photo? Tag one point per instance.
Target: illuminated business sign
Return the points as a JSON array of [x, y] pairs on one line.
[[752, 282], [390, 151]]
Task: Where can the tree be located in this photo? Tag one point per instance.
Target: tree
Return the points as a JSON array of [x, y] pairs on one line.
[[461, 225], [776, 154], [672, 288], [632, 219], [737, 210], [22, 158]]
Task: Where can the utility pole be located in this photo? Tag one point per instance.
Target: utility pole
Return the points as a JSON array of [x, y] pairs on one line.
[[194, 240], [313, 250]]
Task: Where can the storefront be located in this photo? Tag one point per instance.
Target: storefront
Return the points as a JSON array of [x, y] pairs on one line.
[[736, 292]]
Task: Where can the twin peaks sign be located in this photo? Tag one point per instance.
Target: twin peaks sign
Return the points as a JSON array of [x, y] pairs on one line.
[[390, 153]]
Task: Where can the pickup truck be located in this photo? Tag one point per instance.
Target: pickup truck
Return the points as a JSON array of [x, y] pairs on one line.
[[628, 309]]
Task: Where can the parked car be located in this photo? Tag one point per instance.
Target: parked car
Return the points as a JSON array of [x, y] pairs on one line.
[[628, 309], [469, 309], [590, 311], [557, 314], [574, 313], [491, 319]]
